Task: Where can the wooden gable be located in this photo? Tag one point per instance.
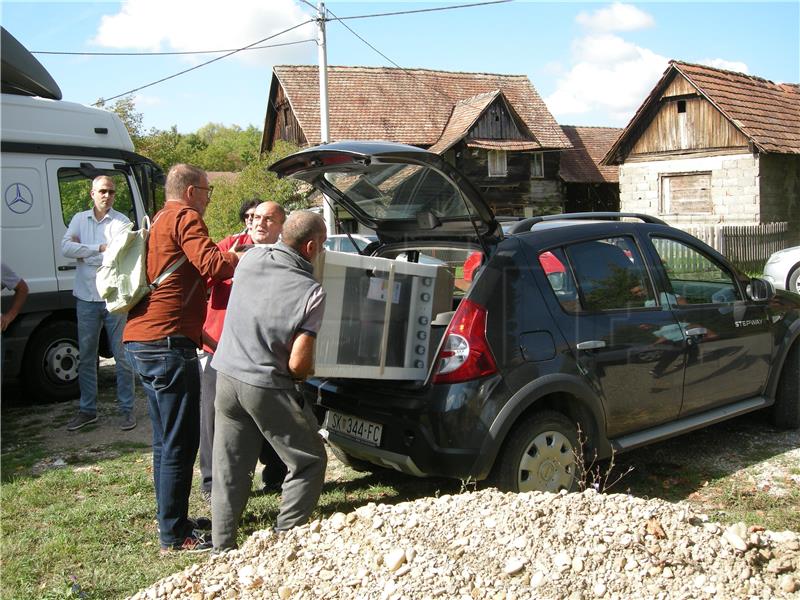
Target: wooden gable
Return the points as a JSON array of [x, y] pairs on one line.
[[498, 122], [685, 121]]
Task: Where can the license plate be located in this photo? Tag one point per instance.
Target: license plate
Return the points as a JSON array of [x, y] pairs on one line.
[[353, 427]]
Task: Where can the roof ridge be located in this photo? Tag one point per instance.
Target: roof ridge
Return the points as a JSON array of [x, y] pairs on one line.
[[728, 72], [415, 69], [592, 127]]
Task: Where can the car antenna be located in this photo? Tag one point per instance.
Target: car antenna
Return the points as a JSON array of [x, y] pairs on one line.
[[339, 225]]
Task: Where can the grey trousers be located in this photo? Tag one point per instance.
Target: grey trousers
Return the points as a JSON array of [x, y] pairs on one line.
[[274, 470], [245, 415]]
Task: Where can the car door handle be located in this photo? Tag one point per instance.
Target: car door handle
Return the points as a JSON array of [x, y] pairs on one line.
[[591, 345], [67, 267], [696, 331]]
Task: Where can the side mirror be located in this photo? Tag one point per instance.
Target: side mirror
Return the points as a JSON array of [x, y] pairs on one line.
[[760, 290]]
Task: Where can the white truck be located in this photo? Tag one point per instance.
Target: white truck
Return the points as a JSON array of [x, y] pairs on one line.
[[51, 151]]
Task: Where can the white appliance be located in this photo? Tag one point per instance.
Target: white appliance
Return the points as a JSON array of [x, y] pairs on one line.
[[378, 315]]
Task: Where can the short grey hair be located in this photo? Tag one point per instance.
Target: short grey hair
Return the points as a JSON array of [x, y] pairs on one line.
[[96, 180], [301, 226], [180, 177]]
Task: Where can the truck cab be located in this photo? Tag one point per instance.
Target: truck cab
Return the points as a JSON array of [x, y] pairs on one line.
[[51, 152]]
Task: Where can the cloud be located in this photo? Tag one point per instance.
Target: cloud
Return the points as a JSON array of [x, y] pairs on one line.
[[190, 25], [609, 75], [728, 65], [617, 17]]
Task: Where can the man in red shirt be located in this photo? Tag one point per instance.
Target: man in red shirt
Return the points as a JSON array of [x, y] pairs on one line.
[[161, 338], [264, 222]]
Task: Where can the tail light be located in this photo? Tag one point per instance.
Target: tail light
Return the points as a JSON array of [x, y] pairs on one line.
[[465, 354]]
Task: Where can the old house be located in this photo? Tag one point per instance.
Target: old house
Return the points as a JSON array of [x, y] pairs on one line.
[[494, 128], [589, 185], [710, 146]]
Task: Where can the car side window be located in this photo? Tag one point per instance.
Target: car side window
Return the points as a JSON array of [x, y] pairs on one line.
[[695, 278], [611, 274]]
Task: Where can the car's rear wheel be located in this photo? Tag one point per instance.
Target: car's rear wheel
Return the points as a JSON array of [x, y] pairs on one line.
[[786, 410], [540, 454]]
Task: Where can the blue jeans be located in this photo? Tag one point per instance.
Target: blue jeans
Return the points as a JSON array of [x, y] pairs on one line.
[[92, 317], [170, 376]]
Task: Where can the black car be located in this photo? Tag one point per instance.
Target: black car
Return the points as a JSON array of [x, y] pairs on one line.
[[615, 326]]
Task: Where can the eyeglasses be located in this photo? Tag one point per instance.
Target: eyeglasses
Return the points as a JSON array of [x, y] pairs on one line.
[[208, 189]]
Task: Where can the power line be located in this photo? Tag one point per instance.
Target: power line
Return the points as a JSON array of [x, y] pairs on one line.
[[208, 62], [425, 83], [168, 53], [420, 10]]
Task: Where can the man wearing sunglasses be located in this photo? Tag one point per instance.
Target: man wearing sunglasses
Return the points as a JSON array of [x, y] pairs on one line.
[[87, 236]]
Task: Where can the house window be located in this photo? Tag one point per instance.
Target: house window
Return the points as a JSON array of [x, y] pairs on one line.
[[497, 163], [537, 165], [687, 193]]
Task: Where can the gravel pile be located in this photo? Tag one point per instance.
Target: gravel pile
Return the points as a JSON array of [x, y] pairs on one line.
[[488, 544]]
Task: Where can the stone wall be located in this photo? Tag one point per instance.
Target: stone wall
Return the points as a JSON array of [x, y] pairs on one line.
[[734, 188]]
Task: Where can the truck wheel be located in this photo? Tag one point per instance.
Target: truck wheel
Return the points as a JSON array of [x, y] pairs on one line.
[[540, 454], [786, 410], [51, 362]]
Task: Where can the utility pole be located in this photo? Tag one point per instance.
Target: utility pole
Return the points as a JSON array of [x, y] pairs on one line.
[[322, 53]]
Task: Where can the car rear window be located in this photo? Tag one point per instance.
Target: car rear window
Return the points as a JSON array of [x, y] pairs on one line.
[[598, 275]]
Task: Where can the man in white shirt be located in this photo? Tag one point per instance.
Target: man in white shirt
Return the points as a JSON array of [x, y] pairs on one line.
[[86, 239]]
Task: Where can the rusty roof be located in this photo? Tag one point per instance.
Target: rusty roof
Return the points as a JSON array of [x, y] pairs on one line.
[[581, 164], [411, 106], [767, 113]]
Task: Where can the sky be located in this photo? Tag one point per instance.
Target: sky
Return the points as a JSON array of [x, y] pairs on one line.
[[593, 63]]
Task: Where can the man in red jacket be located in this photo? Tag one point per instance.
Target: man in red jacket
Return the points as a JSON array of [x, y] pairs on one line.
[[264, 222]]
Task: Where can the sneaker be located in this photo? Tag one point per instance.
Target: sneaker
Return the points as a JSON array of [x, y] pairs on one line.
[[128, 422], [81, 420], [194, 544]]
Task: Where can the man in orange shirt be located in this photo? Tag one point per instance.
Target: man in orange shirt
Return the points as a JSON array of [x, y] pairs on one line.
[[161, 338]]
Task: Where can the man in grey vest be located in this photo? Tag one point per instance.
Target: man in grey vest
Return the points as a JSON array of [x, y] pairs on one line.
[[267, 345]]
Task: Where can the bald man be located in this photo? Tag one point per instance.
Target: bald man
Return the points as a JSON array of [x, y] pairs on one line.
[[264, 222]]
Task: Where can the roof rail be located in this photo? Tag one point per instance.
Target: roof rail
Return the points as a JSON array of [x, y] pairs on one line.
[[528, 223]]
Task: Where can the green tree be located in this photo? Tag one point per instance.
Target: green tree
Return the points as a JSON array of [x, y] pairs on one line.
[[254, 181]]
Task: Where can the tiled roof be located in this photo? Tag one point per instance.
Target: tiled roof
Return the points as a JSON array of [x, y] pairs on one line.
[[411, 106], [766, 112], [464, 115], [581, 164]]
